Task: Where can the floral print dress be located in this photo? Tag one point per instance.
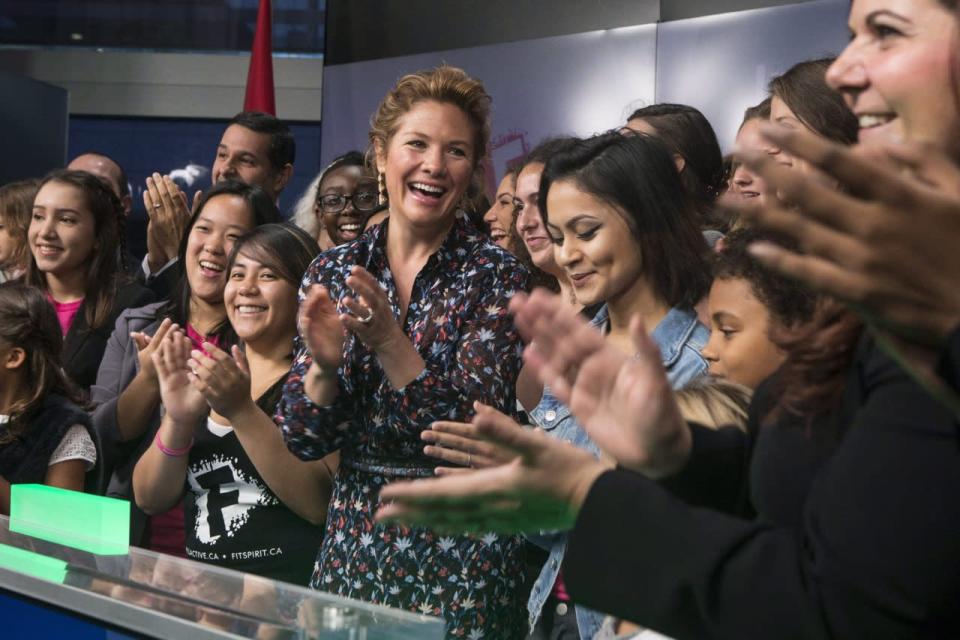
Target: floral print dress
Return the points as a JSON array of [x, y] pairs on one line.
[[458, 321]]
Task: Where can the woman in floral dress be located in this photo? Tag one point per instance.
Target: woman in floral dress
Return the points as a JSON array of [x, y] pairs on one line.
[[406, 325]]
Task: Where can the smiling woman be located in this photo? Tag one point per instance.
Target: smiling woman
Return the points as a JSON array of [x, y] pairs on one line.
[[281, 500], [127, 391], [403, 326], [894, 73]]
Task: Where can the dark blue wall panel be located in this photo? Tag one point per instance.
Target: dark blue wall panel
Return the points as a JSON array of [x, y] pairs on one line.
[[185, 146]]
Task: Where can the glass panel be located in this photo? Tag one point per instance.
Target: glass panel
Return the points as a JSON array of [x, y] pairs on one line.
[[241, 604]]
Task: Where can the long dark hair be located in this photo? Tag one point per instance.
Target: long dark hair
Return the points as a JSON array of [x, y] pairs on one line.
[[103, 271], [287, 249], [28, 321], [687, 132], [819, 355], [264, 211], [803, 87], [635, 173]]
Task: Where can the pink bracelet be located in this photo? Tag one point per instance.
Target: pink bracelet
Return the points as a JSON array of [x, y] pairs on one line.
[[173, 453]]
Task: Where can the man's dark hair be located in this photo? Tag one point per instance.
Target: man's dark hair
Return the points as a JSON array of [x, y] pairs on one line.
[[790, 303], [283, 149], [637, 176]]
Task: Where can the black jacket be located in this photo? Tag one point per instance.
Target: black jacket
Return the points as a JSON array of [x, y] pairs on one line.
[[83, 347], [27, 458], [875, 552]]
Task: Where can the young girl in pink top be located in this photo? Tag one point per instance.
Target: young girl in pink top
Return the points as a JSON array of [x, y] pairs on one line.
[[75, 238]]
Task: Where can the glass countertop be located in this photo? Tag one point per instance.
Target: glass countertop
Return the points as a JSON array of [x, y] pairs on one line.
[[165, 596]]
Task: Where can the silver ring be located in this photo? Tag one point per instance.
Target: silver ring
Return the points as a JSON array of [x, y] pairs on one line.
[[469, 460], [367, 318], [157, 206]]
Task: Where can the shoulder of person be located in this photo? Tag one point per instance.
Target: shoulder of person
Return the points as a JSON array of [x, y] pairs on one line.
[[130, 294], [335, 262], [500, 264], [56, 404], [141, 318]]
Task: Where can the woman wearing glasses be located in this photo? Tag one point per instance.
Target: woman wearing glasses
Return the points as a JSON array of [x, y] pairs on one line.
[[337, 204]]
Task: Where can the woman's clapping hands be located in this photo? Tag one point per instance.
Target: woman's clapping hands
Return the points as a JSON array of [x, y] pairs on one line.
[[183, 403]]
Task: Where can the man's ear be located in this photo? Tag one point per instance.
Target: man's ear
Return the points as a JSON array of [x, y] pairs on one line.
[[127, 203], [14, 359], [282, 178]]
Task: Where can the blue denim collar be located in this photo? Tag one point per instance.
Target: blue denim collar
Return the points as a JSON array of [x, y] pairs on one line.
[[670, 334]]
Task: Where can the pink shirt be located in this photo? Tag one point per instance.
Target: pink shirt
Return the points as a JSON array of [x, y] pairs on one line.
[[165, 533], [66, 312], [198, 339], [560, 589]]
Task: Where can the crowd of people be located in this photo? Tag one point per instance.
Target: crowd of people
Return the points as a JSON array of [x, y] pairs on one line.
[[639, 391]]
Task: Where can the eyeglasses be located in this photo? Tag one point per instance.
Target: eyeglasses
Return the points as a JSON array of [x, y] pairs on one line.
[[363, 201]]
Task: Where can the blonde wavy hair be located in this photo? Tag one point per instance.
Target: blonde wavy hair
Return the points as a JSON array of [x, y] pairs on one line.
[[444, 84], [715, 403]]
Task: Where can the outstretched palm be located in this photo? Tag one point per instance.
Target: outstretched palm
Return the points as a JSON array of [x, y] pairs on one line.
[[626, 405], [321, 328], [183, 403]]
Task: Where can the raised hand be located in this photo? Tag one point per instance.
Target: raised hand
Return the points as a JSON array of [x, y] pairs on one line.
[[321, 329], [885, 243], [169, 214], [461, 443], [148, 345], [542, 488], [626, 405], [224, 380], [183, 404]]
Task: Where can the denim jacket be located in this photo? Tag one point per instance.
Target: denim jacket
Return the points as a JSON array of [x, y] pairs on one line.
[[680, 338]]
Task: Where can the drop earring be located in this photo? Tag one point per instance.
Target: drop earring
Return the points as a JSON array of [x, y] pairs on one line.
[[382, 187]]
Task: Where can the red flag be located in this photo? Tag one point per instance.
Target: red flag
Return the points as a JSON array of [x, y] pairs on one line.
[[260, 75]]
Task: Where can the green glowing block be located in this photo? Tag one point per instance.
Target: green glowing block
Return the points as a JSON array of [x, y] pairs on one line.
[[32, 564], [71, 518]]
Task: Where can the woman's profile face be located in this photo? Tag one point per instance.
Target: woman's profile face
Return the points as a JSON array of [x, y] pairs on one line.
[[744, 182], [499, 217], [592, 244], [428, 163], [530, 226], [895, 74], [781, 114]]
